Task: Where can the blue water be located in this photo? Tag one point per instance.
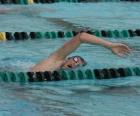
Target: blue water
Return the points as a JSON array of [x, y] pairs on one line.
[[118, 97], [65, 16]]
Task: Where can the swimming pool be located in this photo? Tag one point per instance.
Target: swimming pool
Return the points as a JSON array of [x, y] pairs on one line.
[[77, 97]]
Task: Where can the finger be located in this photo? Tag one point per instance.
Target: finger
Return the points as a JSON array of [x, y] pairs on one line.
[[120, 54], [126, 47], [128, 50], [126, 53]]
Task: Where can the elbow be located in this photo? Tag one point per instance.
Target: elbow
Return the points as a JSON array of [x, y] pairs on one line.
[[82, 36]]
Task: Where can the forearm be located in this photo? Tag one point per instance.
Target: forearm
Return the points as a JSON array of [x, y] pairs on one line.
[[91, 39], [74, 43]]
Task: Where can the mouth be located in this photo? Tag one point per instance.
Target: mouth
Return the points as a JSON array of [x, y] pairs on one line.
[[69, 66]]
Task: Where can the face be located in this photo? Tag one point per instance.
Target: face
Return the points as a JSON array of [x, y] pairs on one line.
[[73, 62]]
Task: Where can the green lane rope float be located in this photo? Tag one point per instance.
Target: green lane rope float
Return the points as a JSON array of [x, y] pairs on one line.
[[53, 1], [60, 34], [69, 75], [16, 1]]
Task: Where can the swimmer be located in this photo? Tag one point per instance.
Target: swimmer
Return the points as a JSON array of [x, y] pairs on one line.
[[59, 60], [26, 10], [5, 10]]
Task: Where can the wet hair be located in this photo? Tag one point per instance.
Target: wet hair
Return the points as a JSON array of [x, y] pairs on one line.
[[82, 59]]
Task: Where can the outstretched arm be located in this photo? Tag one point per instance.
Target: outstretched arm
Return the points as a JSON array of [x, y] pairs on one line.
[[117, 48]]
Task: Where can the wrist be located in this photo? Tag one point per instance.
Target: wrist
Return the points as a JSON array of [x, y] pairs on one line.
[[107, 44]]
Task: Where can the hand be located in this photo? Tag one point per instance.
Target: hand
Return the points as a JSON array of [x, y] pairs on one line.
[[120, 49]]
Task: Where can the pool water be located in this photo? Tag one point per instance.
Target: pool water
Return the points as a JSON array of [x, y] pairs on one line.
[[118, 97], [67, 16]]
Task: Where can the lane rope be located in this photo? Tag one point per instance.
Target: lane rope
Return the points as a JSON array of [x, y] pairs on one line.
[[91, 74], [23, 2], [67, 34]]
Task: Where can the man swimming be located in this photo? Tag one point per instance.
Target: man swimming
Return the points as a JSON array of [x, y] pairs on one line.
[[58, 60], [4, 10], [26, 10]]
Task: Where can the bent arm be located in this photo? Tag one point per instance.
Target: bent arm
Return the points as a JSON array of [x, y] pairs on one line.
[[55, 59], [74, 43]]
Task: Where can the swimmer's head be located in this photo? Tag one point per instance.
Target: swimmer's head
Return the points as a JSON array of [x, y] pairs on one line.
[[73, 62]]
